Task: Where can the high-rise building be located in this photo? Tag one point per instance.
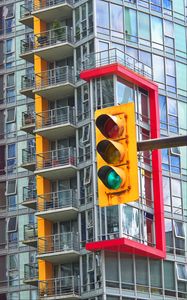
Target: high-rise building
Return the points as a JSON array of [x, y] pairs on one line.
[[60, 61]]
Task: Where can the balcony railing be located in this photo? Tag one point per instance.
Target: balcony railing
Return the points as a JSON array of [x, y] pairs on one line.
[[28, 156], [65, 286], [30, 272], [50, 3], [58, 76], [111, 56], [27, 82], [29, 197], [30, 232], [56, 158], [28, 119], [47, 38], [62, 242], [58, 200], [53, 117]]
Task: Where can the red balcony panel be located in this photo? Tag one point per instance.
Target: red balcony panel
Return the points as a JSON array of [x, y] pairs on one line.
[[125, 244]]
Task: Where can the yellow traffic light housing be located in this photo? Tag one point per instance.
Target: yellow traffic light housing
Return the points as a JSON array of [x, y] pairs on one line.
[[117, 163]]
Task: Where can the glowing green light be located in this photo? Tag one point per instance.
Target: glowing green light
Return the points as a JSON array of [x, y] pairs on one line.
[[114, 180]]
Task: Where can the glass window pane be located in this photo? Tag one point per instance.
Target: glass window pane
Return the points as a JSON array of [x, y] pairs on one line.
[[158, 68], [116, 17], [102, 13], [156, 30], [144, 26], [130, 24]]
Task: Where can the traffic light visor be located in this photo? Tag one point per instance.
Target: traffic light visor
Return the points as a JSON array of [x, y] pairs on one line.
[[110, 126], [111, 152], [113, 178]]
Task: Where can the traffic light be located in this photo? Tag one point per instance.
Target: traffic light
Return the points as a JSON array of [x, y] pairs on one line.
[[117, 164]]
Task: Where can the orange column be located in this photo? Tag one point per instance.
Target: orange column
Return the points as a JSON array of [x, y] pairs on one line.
[[42, 145]]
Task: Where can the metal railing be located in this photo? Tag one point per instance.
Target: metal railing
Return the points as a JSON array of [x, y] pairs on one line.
[[27, 82], [56, 158], [30, 271], [30, 232], [28, 156], [50, 3], [63, 115], [28, 118], [57, 200], [47, 38], [52, 77], [69, 285], [111, 56], [61, 242], [29, 193]]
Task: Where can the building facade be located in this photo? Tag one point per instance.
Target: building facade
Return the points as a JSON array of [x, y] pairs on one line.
[[61, 60]]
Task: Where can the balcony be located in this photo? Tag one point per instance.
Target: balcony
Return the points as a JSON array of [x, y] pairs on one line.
[[28, 159], [30, 235], [50, 10], [60, 288], [57, 164], [113, 56], [59, 248], [26, 49], [54, 83], [27, 86], [54, 44], [29, 197], [60, 206], [26, 17], [54, 123], [28, 122], [31, 274]]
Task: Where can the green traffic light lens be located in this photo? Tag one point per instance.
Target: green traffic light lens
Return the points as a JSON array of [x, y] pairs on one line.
[[113, 180]]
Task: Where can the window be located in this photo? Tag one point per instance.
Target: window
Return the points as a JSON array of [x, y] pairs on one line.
[[168, 114], [87, 175], [116, 14], [12, 224], [158, 70], [86, 133], [170, 76], [156, 5], [170, 161], [102, 13], [11, 202], [144, 28], [130, 24], [179, 229], [13, 262], [10, 95], [11, 158], [181, 271], [157, 32], [11, 187], [10, 80], [10, 115]]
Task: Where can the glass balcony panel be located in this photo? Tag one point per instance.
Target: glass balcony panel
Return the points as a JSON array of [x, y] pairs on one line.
[[28, 121], [29, 197], [30, 234], [31, 274], [55, 82], [111, 56], [25, 14], [50, 123], [68, 287], [61, 205], [29, 158], [50, 10]]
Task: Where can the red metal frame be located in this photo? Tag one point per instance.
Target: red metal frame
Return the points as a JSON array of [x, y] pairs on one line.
[[125, 244]]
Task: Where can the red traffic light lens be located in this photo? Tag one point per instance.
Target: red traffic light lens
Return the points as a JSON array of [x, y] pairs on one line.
[[111, 129]]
